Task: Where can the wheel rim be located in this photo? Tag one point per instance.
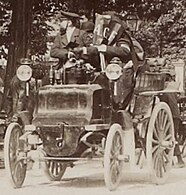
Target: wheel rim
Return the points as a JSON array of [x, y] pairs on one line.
[[160, 143], [112, 162], [55, 170], [16, 168]]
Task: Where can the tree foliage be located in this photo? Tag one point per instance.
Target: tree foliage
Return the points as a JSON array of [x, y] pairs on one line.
[[5, 19], [167, 34], [163, 29]]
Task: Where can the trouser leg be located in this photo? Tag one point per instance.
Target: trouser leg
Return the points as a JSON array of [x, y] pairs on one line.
[[176, 125], [177, 151]]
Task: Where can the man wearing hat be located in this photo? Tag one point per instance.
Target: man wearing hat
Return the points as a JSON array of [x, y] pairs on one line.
[[69, 37]]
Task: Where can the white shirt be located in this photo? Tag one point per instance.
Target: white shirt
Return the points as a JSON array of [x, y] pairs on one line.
[[69, 33]]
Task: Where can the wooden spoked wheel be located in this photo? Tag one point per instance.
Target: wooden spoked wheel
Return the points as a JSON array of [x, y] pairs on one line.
[[13, 151], [112, 162], [54, 170], [160, 143]]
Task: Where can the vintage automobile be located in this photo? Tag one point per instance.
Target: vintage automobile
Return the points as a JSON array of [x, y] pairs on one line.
[[71, 118], [76, 118]]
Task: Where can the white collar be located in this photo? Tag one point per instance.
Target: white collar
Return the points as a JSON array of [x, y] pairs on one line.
[[69, 33]]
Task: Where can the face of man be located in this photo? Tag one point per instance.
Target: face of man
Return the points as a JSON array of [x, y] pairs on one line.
[[65, 22], [83, 19]]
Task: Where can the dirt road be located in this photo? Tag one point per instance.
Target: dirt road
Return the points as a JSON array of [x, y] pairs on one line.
[[88, 179]]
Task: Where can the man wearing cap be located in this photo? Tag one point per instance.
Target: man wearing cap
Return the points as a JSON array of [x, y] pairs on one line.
[[89, 28], [70, 36]]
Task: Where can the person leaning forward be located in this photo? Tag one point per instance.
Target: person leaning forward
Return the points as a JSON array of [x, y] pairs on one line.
[[120, 45], [69, 37]]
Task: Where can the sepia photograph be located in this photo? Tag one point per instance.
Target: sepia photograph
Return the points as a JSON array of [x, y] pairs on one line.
[[92, 97]]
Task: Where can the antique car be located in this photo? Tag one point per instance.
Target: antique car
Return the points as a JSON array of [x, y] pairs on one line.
[[70, 119], [77, 117]]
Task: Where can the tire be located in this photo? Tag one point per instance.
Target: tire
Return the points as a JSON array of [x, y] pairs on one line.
[[16, 169], [112, 164], [160, 143]]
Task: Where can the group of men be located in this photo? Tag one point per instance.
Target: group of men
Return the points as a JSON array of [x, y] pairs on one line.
[[72, 38]]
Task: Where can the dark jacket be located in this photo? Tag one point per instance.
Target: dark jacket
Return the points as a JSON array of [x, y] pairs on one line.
[[117, 50], [171, 100], [61, 45]]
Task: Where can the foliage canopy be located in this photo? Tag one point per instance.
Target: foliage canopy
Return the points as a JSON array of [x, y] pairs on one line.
[[163, 29]]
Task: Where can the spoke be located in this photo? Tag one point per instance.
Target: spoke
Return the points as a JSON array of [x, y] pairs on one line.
[[159, 118], [113, 176], [165, 155], [60, 167], [17, 172], [17, 137], [52, 167], [114, 143], [111, 156], [119, 149], [165, 121], [167, 128], [157, 165], [163, 163], [160, 167], [49, 164], [56, 168], [155, 156], [157, 122], [11, 147], [168, 137], [117, 165], [112, 152], [116, 146], [119, 145], [155, 130], [118, 141], [155, 148], [114, 173], [112, 163], [155, 141], [12, 139]]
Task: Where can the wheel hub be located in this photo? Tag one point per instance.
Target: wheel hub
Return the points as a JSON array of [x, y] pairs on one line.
[[167, 144]]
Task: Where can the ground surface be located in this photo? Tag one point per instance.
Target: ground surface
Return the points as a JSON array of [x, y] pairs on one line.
[[88, 179]]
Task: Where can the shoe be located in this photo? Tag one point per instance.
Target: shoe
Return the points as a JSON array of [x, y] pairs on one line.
[[181, 164], [30, 164]]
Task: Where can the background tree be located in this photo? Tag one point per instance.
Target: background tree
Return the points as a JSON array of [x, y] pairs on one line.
[[163, 28], [5, 20], [166, 34]]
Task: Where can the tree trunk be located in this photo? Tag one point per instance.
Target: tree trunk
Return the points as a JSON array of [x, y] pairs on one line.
[[20, 34]]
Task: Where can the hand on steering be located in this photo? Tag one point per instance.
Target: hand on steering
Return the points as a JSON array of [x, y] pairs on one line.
[[78, 50], [101, 48], [71, 55]]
